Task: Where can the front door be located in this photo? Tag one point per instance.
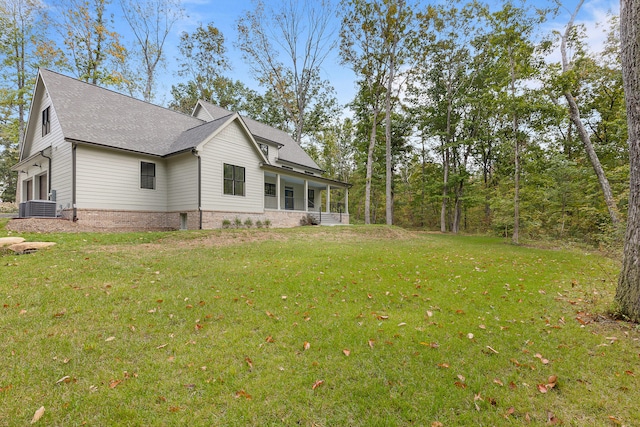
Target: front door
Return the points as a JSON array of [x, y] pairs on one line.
[[288, 198]]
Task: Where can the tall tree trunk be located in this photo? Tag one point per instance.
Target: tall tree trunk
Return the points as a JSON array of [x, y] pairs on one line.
[[628, 292], [516, 173], [367, 188], [574, 115], [445, 190], [387, 119]]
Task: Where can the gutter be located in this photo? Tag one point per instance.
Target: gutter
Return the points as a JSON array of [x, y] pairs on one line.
[[49, 174]]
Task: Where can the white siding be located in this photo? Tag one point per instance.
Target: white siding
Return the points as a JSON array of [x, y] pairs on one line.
[[202, 114], [37, 141], [107, 179], [231, 146], [61, 174], [182, 182]]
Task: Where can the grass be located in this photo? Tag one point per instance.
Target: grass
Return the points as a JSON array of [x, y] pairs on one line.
[[359, 326]]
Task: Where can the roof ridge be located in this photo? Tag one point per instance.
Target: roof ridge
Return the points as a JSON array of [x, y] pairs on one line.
[[118, 93]]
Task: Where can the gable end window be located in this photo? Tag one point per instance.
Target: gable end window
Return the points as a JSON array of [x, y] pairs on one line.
[[148, 175], [233, 180], [46, 122], [265, 149]]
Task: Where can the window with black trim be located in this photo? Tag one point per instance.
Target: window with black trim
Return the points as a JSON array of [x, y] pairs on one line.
[[269, 189], [265, 149], [46, 122], [233, 180], [148, 175]]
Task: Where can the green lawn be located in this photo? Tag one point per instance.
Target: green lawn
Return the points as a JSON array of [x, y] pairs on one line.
[[357, 326]]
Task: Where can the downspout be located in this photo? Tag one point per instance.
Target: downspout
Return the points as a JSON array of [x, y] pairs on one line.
[[195, 153], [48, 173], [73, 181]]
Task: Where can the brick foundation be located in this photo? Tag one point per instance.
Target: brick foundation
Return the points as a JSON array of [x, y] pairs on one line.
[[149, 220]]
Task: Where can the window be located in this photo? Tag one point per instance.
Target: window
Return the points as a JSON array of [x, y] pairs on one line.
[[148, 175], [269, 189], [265, 149], [46, 122], [233, 180]]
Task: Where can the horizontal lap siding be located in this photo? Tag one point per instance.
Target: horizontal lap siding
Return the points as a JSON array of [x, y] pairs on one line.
[[61, 174], [182, 182], [231, 146], [107, 179]]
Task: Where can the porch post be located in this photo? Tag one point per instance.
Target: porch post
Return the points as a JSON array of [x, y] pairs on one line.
[[306, 195], [328, 198], [278, 191], [346, 200]]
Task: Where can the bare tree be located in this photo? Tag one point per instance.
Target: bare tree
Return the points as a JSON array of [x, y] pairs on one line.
[[574, 115], [285, 49], [151, 22], [628, 292], [89, 41]]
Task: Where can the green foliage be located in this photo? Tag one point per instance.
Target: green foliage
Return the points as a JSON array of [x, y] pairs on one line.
[[236, 327]]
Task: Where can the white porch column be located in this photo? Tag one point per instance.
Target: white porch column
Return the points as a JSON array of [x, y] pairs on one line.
[[278, 191], [328, 198], [306, 195], [346, 200]]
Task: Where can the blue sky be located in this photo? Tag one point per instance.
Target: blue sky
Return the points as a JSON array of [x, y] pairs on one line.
[[224, 14]]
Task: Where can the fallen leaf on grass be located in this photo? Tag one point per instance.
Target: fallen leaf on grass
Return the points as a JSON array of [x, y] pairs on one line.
[[110, 339], [615, 420], [371, 342], [437, 424], [162, 346], [510, 411], [630, 373], [249, 362], [470, 335], [64, 379], [174, 409], [269, 339], [443, 365], [317, 384], [542, 359], [346, 352], [114, 383], [460, 384], [37, 415], [431, 344], [492, 349], [306, 345], [244, 394], [270, 314], [497, 381], [552, 420]]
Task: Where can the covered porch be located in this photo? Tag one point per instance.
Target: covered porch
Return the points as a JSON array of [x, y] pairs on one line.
[[295, 191]]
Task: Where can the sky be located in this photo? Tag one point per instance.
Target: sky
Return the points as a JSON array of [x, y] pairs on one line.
[[225, 13]]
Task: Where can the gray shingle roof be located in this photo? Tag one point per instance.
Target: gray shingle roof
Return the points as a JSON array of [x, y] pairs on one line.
[[93, 114], [96, 115], [290, 150]]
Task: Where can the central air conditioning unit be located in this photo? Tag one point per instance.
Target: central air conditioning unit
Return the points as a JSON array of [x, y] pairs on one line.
[[22, 210], [40, 208]]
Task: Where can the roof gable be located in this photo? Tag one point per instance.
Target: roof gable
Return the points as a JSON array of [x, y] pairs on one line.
[[88, 113], [289, 152]]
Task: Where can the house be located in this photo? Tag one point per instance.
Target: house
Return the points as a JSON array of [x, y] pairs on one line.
[[107, 160]]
